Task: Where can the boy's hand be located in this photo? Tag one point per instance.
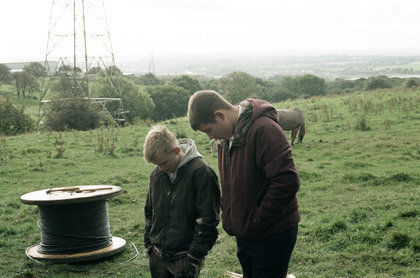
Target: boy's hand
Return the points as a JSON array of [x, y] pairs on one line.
[[193, 260], [149, 250], [184, 268]]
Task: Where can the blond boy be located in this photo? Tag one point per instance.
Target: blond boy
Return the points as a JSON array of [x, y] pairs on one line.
[[182, 206]]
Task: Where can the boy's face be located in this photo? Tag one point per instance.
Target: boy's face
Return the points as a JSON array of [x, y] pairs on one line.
[[168, 162], [221, 129]]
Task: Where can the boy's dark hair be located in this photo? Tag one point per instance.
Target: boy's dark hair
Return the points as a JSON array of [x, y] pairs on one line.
[[202, 105]]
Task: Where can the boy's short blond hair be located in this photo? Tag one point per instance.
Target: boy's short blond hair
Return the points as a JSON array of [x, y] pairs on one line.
[[158, 140], [202, 105]]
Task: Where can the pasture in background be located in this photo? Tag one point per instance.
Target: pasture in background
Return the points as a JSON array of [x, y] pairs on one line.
[[359, 197]]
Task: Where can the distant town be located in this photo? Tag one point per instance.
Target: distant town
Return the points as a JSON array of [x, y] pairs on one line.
[[269, 65], [265, 65]]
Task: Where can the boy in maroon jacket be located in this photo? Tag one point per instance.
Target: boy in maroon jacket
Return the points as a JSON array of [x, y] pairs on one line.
[[258, 177]]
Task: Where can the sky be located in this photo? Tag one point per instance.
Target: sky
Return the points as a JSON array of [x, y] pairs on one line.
[[162, 27]]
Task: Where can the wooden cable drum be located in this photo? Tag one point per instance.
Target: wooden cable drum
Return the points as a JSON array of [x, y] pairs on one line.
[[74, 223]]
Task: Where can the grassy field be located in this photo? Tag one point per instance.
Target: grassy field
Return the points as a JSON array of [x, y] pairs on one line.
[[359, 196]]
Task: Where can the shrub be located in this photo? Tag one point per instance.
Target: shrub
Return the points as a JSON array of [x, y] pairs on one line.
[[148, 79], [339, 86], [136, 101], [236, 86], [412, 83], [72, 113], [188, 83], [377, 82], [95, 70], [36, 69], [170, 101], [25, 83], [309, 85], [300, 86], [4, 74], [13, 120]]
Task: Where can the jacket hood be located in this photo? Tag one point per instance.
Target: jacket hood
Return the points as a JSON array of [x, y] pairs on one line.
[[262, 108], [190, 149], [252, 110]]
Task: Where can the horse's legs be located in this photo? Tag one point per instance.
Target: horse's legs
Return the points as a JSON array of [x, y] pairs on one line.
[[302, 132], [294, 132]]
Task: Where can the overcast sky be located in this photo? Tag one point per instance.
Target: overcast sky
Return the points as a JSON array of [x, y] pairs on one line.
[[143, 27]]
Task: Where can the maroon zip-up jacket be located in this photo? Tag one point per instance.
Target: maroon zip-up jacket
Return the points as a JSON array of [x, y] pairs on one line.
[[258, 176]]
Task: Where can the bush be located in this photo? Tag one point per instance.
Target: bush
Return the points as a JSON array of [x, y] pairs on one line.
[[25, 83], [237, 86], [188, 83], [148, 79], [377, 82], [300, 86], [72, 113], [309, 85], [412, 83], [137, 102], [170, 101], [4, 74], [36, 69], [340, 86], [280, 93], [13, 120]]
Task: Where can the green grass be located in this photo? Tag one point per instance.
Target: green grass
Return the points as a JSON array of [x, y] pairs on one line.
[[359, 197]]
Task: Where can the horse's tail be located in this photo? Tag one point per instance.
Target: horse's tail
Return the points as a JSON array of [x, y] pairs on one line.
[[302, 132]]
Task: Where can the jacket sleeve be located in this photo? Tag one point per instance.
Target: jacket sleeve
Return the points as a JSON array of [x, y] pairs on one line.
[[207, 212], [274, 158], [147, 219]]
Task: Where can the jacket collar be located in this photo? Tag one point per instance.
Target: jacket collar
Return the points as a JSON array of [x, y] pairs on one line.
[[252, 110], [242, 125]]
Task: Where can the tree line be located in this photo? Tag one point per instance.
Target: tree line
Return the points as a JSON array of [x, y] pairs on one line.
[[159, 98]]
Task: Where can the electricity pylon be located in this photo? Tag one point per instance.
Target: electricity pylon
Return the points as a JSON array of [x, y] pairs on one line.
[[76, 28], [152, 68]]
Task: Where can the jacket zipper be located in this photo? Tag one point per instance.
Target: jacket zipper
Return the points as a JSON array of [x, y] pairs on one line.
[[168, 214], [228, 155]]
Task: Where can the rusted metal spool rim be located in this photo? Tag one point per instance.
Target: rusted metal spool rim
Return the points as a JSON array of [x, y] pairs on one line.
[[76, 194], [74, 223]]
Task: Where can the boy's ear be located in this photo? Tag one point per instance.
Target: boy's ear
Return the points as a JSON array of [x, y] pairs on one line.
[[220, 114], [177, 150]]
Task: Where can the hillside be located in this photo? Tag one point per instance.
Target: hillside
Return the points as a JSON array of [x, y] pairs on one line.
[[360, 190]]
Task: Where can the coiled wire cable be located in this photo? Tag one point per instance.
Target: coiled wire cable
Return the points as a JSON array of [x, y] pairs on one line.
[[74, 228]]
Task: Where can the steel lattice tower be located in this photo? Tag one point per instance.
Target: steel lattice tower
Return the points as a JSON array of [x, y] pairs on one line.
[[78, 28]]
